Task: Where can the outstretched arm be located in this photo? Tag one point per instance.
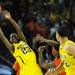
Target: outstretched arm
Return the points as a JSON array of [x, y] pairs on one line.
[[5, 41], [50, 41], [40, 38], [15, 25]]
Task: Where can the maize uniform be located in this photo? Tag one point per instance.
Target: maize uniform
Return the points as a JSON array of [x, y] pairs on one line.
[[69, 60], [26, 59]]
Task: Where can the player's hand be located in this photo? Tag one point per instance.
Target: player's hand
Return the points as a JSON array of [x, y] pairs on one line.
[[51, 73], [6, 14], [41, 48], [39, 38]]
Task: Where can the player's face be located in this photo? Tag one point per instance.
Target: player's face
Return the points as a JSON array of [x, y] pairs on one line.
[[58, 37], [14, 38]]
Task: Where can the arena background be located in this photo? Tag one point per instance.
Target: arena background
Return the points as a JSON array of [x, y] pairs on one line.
[[42, 17]]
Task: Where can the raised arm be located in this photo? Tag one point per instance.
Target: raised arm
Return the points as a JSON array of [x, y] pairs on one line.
[[5, 41], [15, 25], [43, 64], [40, 58]]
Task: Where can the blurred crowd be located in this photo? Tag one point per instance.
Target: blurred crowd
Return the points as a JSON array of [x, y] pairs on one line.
[[35, 17]]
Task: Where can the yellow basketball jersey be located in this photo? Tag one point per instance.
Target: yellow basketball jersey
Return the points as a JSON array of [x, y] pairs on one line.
[[69, 60], [26, 59]]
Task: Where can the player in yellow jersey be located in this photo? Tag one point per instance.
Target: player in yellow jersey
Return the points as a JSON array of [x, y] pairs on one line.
[[67, 53], [23, 54], [66, 50]]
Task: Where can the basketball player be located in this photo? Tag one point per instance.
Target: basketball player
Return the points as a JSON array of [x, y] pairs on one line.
[[67, 52], [23, 54]]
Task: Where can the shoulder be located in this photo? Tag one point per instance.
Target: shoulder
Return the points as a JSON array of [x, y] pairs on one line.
[[69, 46], [22, 42], [69, 42]]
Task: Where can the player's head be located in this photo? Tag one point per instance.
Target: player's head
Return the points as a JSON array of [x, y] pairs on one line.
[[62, 33], [14, 38]]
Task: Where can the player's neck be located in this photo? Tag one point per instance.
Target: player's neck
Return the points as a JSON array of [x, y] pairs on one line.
[[64, 40]]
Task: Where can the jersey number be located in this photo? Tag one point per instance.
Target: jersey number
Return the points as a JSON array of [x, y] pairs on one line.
[[24, 50]]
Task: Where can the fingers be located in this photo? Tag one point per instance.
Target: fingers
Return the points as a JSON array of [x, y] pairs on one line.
[[39, 38], [41, 48]]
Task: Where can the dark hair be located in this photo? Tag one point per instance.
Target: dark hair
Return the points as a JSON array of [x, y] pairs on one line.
[[63, 31]]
